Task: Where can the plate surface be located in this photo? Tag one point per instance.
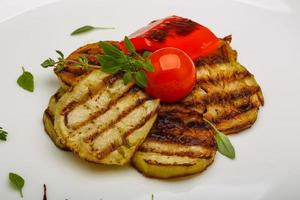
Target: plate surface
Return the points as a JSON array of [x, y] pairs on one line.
[[266, 35]]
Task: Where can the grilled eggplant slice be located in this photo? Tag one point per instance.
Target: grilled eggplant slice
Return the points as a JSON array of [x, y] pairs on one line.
[[102, 120], [179, 143]]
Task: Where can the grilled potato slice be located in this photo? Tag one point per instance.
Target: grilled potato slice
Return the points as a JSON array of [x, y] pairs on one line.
[[102, 120]]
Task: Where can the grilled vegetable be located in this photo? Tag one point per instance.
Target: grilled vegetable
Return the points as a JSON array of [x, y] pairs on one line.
[[225, 93], [177, 146], [174, 31], [232, 95], [102, 120], [48, 119]]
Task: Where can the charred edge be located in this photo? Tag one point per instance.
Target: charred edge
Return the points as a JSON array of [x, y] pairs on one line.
[[221, 55], [220, 98], [179, 111], [137, 103], [115, 146], [102, 111], [239, 127], [237, 111], [46, 117], [181, 26], [110, 80], [185, 106], [227, 39], [207, 142], [205, 155], [227, 79], [49, 114], [153, 162], [174, 131], [57, 96]]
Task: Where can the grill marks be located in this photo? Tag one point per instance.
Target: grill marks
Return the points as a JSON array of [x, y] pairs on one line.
[[123, 140], [102, 120], [175, 149], [225, 93], [233, 96], [121, 110], [224, 54], [95, 105]]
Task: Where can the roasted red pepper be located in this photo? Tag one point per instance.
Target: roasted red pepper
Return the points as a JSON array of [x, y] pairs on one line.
[[185, 34]]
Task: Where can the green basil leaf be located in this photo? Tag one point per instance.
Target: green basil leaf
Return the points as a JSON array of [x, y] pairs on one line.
[[223, 143], [140, 79], [48, 63], [60, 54], [26, 81], [111, 50], [146, 54], [83, 29], [17, 181], [3, 134], [105, 59], [127, 77], [129, 46], [138, 64], [148, 66], [83, 59], [89, 28], [110, 69]]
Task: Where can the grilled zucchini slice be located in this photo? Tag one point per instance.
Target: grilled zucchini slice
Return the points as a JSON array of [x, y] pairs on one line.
[[159, 166], [174, 148], [102, 120], [48, 119]]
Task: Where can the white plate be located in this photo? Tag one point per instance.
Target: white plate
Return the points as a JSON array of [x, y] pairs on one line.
[[266, 35]]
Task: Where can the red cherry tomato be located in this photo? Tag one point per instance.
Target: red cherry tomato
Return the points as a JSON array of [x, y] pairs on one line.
[[174, 75]]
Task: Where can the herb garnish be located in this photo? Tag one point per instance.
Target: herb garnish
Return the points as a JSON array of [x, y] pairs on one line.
[[26, 81], [89, 28], [3, 134], [60, 63], [223, 143], [133, 65], [113, 60], [17, 181]]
